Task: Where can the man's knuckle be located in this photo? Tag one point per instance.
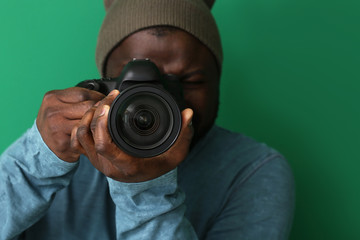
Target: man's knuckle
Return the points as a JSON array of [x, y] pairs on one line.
[[50, 95], [101, 147], [88, 104], [51, 113], [131, 171], [84, 95], [62, 144], [74, 144], [93, 125], [82, 131], [54, 129]]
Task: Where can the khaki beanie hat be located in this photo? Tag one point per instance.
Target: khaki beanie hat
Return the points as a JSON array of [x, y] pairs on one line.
[[124, 17]]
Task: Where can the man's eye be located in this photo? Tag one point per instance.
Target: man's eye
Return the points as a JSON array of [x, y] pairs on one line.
[[192, 85], [194, 82]]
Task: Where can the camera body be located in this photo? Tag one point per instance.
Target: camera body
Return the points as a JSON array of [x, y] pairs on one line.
[[145, 118]]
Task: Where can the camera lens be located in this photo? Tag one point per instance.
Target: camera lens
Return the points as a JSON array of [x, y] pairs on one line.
[[144, 120], [144, 126]]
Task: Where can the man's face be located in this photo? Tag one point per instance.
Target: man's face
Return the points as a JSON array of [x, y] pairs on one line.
[[179, 53]]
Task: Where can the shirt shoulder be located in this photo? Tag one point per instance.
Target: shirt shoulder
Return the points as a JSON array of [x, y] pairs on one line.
[[222, 148], [223, 165]]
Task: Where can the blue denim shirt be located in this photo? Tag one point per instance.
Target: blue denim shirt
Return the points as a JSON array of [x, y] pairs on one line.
[[229, 187]]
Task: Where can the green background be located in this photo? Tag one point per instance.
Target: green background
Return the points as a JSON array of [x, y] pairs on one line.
[[290, 79]]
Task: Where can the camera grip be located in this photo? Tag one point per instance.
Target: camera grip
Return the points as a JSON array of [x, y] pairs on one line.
[[89, 84], [103, 86]]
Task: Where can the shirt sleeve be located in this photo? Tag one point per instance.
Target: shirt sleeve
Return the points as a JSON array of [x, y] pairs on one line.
[[261, 205], [151, 210], [30, 175]]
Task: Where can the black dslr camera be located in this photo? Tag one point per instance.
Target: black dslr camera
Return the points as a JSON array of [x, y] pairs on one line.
[[145, 118]]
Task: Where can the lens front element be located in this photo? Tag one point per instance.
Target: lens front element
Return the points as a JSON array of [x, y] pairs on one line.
[[144, 120]]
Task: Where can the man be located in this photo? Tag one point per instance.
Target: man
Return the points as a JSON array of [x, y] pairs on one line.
[[66, 179]]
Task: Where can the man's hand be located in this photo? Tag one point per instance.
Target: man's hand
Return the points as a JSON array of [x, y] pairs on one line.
[[91, 137], [60, 111]]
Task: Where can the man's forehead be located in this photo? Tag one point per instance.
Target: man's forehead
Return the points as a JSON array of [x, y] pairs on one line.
[[176, 47], [158, 38]]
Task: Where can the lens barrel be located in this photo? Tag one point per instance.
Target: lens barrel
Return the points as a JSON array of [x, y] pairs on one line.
[[144, 120]]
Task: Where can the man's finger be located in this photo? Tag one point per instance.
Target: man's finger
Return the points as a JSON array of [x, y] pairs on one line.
[[181, 147], [74, 142], [103, 142], [75, 111], [77, 94], [109, 98], [84, 135], [107, 101]]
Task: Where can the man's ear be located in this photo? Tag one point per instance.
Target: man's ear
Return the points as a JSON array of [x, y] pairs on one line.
[[107, 4]]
